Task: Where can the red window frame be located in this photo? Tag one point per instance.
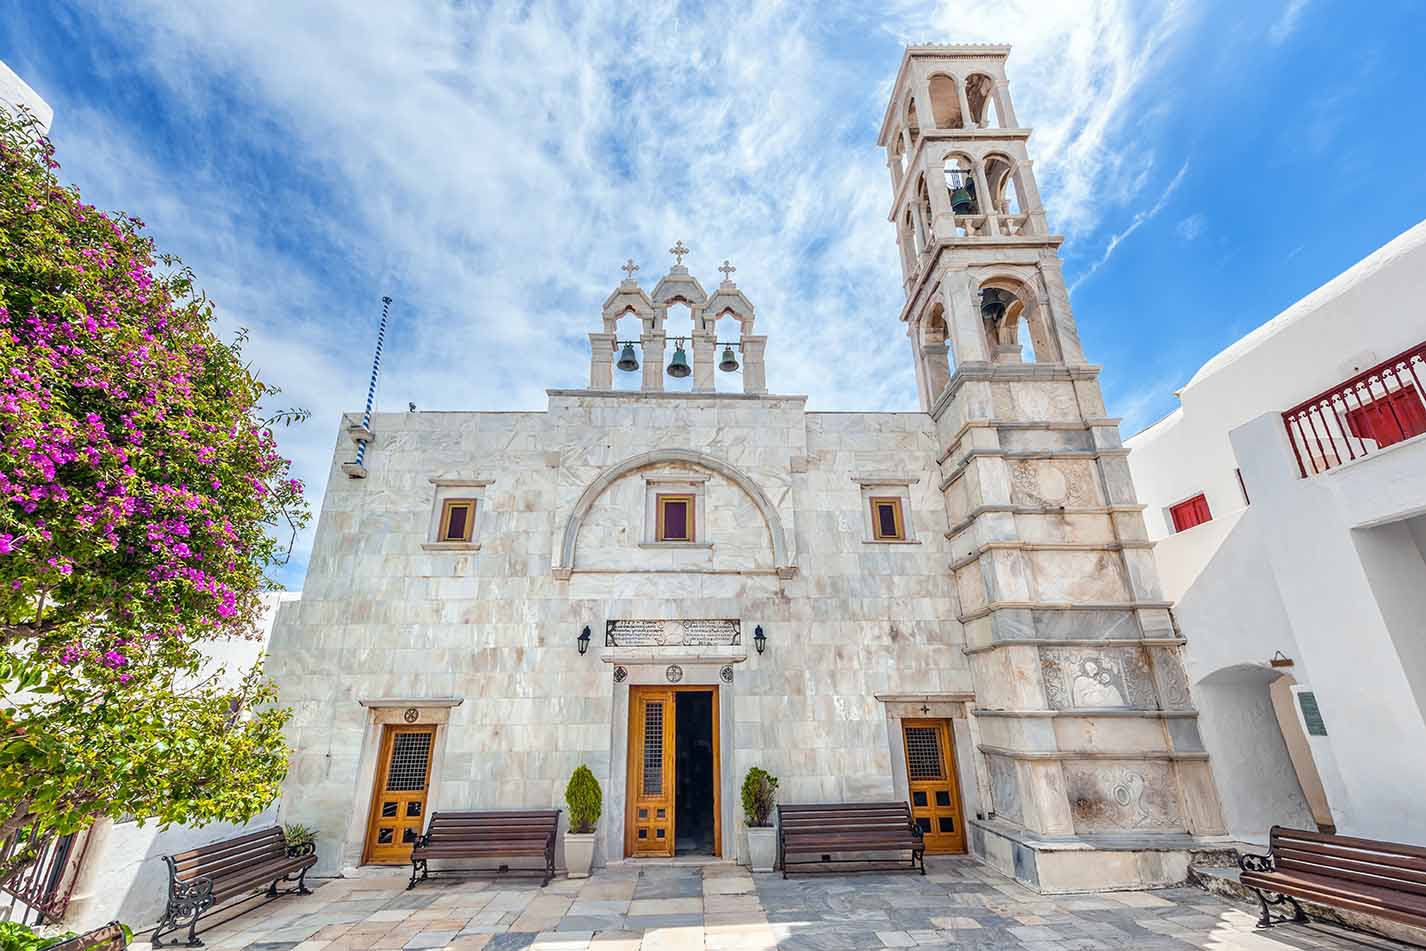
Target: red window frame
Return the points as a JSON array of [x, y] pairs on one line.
[[1389, 419], [1190, 512]]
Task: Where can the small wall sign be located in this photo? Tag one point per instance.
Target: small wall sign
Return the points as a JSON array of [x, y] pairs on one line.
[[1311, 714]]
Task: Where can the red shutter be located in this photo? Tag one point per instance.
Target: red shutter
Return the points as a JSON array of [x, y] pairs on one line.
[[1193, 512], [1396, 416]]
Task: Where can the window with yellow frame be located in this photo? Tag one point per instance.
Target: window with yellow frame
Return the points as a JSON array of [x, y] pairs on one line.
[[457, 520], [675, 518], [888, 522]]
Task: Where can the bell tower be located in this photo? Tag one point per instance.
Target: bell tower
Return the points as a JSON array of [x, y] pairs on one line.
[[1087, 741]]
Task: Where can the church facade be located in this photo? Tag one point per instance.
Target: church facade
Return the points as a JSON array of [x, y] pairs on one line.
[[957, 607]]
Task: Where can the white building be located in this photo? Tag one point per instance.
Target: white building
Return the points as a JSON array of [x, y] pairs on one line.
[[1287, 497], [15, 92], [956, 606]]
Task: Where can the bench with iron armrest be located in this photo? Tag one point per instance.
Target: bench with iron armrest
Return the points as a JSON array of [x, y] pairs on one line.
[[110, 937], [1366, 876], [487, 835], [214, 874], [828, 829]]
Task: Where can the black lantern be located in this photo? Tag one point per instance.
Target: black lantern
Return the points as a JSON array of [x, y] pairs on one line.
[[729, 363], [584, 636], [759, 639], [678, 367], [628, 362]]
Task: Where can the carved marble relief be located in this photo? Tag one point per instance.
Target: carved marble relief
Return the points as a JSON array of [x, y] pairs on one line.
[[1173, 682], [1052, 484], [1097, 678], [1005, 788], [1113, 797]]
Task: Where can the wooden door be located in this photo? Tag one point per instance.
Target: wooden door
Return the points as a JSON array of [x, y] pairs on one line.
[[398, 802], [650, 826], [931, 775]]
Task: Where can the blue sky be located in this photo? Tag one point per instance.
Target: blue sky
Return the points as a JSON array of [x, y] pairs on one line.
[[491, 166]]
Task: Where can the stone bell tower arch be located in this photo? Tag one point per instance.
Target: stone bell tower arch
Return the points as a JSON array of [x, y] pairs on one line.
[[1087, 737]]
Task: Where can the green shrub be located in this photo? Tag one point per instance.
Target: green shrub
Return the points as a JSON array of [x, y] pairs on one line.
[[585, 801], [17, 937], [759, 797]]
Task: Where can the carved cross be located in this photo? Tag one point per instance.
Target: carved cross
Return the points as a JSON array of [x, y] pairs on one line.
[[925, 709], [678, 251], [727, 270], [629, 268]]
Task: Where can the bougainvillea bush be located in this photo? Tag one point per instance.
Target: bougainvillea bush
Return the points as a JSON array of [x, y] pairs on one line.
[[142, 499]]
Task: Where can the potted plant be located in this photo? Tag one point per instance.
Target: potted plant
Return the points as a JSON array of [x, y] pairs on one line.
[[300, 839], [585, 801], [759, 798]]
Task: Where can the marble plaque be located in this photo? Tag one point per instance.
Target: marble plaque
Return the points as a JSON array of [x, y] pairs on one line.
[[666, 633], [1097, 678], [1118, 797]]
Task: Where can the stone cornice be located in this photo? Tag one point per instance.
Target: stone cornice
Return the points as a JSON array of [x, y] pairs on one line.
[[665, 395]]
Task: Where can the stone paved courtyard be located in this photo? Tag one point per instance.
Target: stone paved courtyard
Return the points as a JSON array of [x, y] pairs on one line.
[[637, 907]]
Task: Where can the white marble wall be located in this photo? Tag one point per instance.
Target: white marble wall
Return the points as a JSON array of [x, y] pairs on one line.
[[383, 618]]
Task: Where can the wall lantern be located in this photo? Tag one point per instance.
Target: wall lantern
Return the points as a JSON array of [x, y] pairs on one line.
[[759, 639], [584, 640]]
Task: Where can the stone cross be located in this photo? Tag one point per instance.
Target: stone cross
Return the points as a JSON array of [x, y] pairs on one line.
[[629, 268], [727, 270], [678, 251]]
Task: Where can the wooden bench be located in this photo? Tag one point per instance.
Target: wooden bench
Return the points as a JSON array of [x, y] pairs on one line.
[[830, 829], [1385, 879], [110, 937], [487, 835], [213, 874]]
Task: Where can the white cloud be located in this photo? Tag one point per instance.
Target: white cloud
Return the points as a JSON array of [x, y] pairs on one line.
[[1134, 224], [1190, 228], [493, 165], [1286, 23]]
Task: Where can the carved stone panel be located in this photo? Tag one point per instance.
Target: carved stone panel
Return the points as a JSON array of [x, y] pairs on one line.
[[1097, 678], [1173, 682], [1005, 788], [1053, 483], [1121, 797]]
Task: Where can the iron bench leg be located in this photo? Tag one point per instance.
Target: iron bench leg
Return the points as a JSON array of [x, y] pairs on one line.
[[186, 902], [1266, 920]]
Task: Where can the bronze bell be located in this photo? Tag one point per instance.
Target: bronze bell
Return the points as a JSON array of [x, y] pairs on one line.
[[628, 361], [963, 198], [678, 367], [992, 305], [729, 363]]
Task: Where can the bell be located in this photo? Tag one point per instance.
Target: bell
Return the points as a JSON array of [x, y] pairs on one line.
[[729, 363], [963, 199], [992, 307], [628, 362], [678, 367]]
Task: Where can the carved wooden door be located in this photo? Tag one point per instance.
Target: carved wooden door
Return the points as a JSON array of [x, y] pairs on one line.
[[931, 775], [398, 804], [651, 781]]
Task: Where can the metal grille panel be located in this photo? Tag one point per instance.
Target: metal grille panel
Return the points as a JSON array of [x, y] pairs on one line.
[[653, 748], [410, 756], [923, 754]]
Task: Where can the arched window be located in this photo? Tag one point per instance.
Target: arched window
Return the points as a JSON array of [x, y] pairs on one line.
[[912, 125], [980, 96], [961, 189], [1005, 307], [946, 103]]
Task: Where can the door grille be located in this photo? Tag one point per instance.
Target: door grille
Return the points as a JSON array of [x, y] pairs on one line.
[[410, 757], [923, 753], [653, 748]]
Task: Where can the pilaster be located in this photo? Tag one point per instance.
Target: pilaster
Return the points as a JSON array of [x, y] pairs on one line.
[[754, 367], [704, 358], [653, 342], [601, 361]]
